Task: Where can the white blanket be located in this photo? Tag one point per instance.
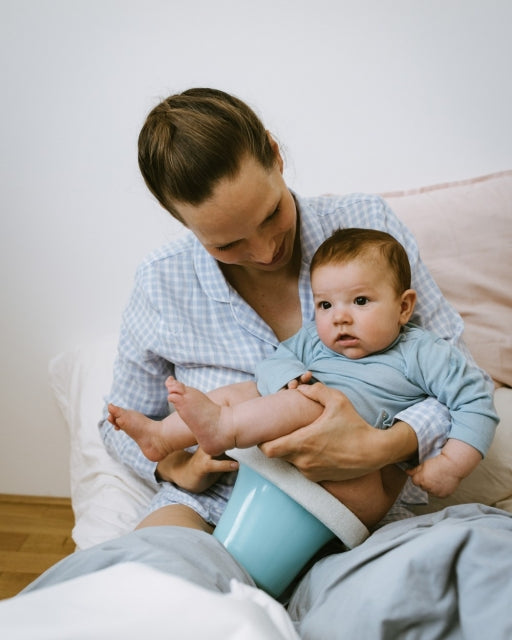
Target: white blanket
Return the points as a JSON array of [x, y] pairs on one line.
[[133, 602]]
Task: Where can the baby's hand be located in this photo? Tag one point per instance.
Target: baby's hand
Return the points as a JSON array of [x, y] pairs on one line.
[[440, 476], [437, 476], [303, 379]]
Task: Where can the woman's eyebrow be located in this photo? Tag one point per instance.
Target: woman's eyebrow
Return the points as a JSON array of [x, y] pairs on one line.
[[270, 213]]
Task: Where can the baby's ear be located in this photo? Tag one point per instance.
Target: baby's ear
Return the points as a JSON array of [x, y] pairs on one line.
[[408, 301]]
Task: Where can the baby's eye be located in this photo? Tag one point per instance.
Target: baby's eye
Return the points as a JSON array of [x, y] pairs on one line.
[[361, 300], [324, 305]]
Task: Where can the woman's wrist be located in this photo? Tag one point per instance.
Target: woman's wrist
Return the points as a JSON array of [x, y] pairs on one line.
[[397, 444], [164, 468]]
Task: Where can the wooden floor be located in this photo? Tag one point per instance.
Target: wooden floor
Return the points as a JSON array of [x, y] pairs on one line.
[[35, 533]]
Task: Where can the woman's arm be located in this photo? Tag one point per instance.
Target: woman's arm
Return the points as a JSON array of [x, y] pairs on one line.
[[138, 380]]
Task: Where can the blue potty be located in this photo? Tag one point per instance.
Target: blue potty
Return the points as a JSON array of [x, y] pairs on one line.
[[276, 520]]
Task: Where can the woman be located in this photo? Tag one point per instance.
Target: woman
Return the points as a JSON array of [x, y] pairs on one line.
[[214, 303]]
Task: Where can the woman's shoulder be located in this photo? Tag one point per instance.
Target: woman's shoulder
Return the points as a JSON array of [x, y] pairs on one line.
[[177, 248], [333, 211], [177, 254], [171, 262], [331, 203]]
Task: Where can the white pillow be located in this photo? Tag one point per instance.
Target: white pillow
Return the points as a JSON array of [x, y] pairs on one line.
[[108, 499]]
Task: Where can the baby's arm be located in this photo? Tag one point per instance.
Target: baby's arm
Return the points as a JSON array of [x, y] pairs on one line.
[[445, 373], [441, 475]]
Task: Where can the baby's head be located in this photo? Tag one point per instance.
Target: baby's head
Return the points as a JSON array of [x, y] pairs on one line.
[[377, 247], [361, 281]]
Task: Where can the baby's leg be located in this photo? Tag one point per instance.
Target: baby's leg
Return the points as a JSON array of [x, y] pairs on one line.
[[156, 439], [209, 421], [372, 496], [159, 438], [243, 424]]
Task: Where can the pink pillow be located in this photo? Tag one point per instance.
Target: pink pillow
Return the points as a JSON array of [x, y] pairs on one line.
[[464, 232]]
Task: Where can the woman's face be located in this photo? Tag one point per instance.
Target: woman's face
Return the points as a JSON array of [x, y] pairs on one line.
[[250, 220]]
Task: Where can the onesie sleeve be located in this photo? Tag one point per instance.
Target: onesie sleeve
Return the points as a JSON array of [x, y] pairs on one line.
[[444, 372], [284, 365]]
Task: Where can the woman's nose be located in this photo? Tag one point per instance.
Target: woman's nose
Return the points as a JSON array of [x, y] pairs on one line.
[[263, 250]]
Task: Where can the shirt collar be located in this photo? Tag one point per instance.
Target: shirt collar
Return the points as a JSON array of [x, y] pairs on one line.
[[311, 232], [209, 274]]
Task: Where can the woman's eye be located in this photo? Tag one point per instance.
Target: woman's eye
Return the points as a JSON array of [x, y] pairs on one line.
[[273, 215], [361, 301], [226, 247]]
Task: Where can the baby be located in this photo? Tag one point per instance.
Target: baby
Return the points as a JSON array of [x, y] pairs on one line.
[[360, 343]]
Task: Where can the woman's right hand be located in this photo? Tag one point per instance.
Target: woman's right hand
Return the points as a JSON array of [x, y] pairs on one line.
[[340, 445], [193, 471]]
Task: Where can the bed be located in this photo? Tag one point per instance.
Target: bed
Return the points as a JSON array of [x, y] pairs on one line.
[[464, 231]]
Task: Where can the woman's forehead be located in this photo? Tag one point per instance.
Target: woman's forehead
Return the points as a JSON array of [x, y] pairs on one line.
[[236, 206]]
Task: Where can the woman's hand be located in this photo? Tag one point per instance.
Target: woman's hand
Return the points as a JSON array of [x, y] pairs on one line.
[[193, 471], [340, 445]]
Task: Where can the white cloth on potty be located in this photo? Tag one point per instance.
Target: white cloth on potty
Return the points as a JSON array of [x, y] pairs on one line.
[[313, 497]]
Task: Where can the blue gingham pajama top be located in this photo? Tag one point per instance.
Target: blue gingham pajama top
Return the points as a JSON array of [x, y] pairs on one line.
[[184, 319]]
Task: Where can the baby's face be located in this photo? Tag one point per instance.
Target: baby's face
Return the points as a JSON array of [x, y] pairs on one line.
[[357, 308]]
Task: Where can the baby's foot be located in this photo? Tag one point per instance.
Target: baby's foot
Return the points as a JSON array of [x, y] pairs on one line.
[[145, 432], [202, 416]]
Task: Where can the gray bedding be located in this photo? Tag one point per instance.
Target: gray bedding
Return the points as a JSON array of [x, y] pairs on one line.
[[445, 575]]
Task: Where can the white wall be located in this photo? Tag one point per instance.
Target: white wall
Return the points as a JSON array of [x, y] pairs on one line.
[[364, 95]]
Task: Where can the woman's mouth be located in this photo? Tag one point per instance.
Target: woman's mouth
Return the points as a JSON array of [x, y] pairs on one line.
[[278, 255], [276, 258]]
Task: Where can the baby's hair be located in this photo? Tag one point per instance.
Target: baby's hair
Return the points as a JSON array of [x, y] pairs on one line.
[[192, 140], [345, 245]]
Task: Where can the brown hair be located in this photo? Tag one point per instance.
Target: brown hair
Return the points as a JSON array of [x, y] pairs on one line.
[[192, 140], [347, 244]]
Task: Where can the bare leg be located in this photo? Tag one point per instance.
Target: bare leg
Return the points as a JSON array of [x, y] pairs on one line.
[[155, 438], [178, 515], [372, 496], [241, 424], [204, 417]]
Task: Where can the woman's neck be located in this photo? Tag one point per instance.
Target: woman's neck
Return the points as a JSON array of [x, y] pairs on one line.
[[274, 295]]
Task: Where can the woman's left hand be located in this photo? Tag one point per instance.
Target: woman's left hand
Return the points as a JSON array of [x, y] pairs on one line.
[[194, 471]]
